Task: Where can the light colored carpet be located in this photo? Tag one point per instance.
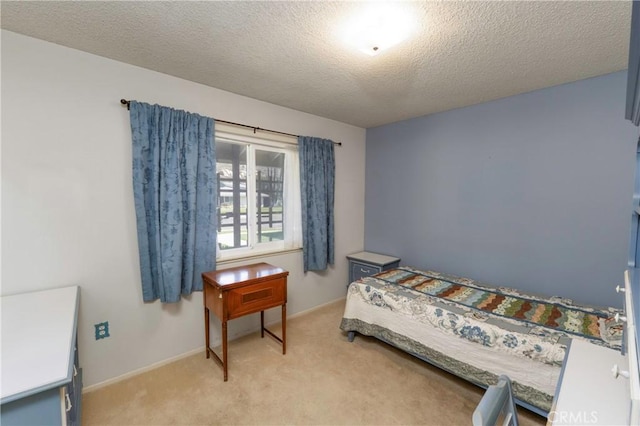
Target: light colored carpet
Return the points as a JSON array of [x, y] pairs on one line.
[[323, 379]]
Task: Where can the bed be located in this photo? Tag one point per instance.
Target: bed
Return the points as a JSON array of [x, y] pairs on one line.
[[476, 331]]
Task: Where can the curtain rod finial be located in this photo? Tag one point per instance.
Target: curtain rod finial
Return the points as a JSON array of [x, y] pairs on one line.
[[124, 102]]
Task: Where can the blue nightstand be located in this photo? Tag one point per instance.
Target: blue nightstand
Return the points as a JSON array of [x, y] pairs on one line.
[[365, 263]]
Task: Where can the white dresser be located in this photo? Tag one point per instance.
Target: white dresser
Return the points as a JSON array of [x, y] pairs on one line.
[[41, 381], [632, 341], [601, 386]]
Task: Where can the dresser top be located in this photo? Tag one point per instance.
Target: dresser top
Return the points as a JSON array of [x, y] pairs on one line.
[[37, 333], [242, 274], [587, 391], [374, 258]]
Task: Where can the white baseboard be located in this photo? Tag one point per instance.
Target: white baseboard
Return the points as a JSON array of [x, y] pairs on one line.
[[315, 308], [141, 370], [192, 352]]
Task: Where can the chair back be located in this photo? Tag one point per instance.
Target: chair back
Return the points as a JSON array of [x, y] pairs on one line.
[[497, 406]]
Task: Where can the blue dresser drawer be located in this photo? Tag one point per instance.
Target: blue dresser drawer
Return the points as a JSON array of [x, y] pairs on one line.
[[360, 270]]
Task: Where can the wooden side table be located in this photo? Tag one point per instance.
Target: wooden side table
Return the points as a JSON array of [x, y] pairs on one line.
[[235, 292]]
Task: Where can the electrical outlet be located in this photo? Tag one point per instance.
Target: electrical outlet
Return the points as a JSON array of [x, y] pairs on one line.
[[102, 330]]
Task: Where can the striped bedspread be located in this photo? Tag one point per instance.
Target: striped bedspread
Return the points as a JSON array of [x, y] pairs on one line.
[[591, 323]]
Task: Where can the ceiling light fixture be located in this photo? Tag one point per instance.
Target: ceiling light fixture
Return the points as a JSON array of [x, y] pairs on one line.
[[380, 27]]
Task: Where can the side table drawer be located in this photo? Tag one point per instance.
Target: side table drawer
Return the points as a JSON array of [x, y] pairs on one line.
[[360, 270], [256, 298]]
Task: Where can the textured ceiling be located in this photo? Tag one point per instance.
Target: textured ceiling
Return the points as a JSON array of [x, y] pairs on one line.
[[291, 54]]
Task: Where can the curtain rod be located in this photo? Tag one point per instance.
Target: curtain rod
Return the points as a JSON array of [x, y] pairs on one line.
[[126, 102]]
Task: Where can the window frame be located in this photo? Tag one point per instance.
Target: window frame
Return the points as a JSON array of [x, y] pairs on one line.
[[292, 228]]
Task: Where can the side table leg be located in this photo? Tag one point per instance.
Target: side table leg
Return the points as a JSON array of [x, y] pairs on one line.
[[206, 331], [284, 329], [262, 324], [224, 349]]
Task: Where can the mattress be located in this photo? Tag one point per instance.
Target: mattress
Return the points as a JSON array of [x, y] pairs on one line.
[[474, 330]]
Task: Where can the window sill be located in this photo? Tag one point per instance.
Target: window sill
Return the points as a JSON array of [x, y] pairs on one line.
[[242, 258]]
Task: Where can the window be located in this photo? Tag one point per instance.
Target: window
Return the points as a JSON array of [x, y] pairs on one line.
[[258, 192]]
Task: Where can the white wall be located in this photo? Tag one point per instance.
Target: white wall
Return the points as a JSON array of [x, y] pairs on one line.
[[68, 215]]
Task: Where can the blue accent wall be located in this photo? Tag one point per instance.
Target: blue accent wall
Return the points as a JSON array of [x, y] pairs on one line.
[[532, 191]]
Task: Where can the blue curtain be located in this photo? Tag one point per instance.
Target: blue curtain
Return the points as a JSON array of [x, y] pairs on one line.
[[317, 183], [633, 72], [174, 189]]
